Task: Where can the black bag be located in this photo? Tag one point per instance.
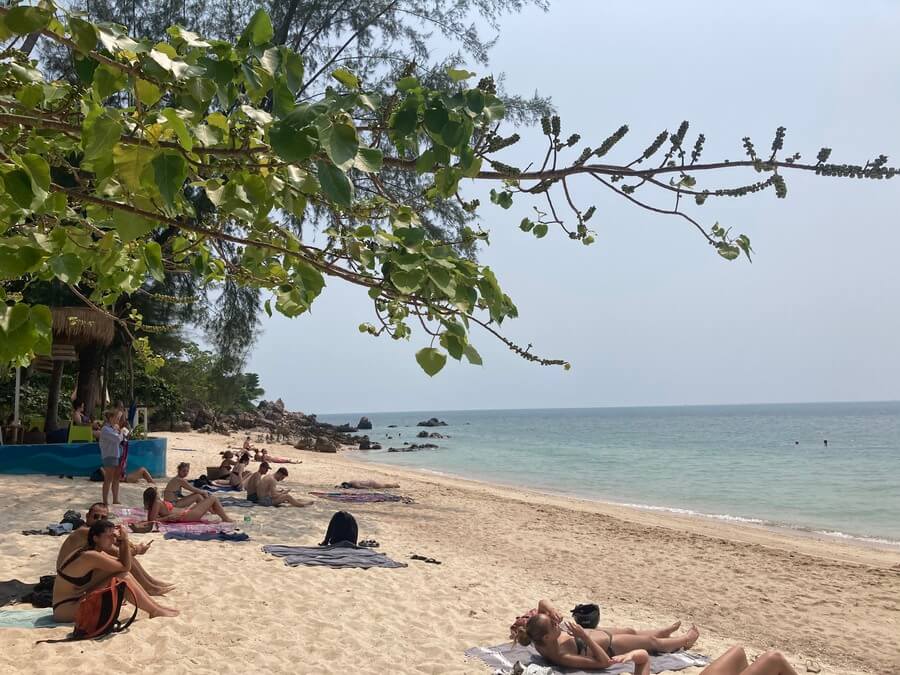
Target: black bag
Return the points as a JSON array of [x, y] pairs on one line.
[[97, 476], [586, 616], [74, 518], [42, 593], [341, 528]]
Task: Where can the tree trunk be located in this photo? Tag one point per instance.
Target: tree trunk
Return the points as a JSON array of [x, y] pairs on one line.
[[51, 422], [89, 359]]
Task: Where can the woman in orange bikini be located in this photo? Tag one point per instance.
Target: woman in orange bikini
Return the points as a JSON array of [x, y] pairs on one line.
[[161, 510], [89, 567]]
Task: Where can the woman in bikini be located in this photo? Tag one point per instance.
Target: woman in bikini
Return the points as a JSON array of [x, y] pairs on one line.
[[165, 511], [568, 644], [89, 567]]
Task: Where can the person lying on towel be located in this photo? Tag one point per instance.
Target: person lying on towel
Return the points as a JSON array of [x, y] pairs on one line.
[[78, 540], [567, 644], [271, 495]]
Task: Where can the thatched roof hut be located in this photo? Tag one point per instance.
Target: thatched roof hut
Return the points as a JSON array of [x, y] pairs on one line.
[[82, 326]]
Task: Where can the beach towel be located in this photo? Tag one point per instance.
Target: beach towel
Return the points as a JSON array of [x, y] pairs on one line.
[[208, 536], [219, 488], [362, 497], [27, 618], [14, 591], [130, 514], [340, 555], [504, 657], [235, 501]]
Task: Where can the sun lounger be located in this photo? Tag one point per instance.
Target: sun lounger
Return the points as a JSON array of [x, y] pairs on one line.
[[340, 555], [503, 658]]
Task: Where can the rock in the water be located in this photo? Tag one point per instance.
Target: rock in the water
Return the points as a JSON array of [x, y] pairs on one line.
[[433, 434], [364, 423], [413, 447], [392, 426], [364, 444], [345, 429], [433, 422]]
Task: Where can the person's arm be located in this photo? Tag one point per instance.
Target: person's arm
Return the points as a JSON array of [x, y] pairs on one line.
[[544, 607], [153, 513], [186, 484], [124, 549], [640, 657], [104, 562], [596, 658]]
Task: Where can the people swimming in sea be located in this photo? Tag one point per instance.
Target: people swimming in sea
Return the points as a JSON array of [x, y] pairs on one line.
[[568, 644], [367, 485], [734, 662], [252, 484], [173, 491], [271, 495], [78, 540], [161, 510], [90, 566]]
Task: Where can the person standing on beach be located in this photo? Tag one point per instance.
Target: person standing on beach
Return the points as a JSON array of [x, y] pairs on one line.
[[110, 454]]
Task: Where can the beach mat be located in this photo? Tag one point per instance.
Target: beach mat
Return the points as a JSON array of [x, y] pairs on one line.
[[207, 536], [504, 657], [236, 501], [362, 497], [28, 618], [340, 555], [219, 488]]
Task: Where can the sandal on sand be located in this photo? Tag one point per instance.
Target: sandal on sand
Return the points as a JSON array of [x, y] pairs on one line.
[[424, 559], [812, 666], [369, 543]]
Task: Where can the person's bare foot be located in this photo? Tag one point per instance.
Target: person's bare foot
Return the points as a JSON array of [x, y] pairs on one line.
[[226, 519], [667, 632], [164, 612], [691, 637]]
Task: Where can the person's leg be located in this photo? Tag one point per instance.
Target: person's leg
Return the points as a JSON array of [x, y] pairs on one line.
[[770, 663], [146, 475], [284, 498], [654, 645], [659, 632], [107, 481], [196, 512], [116, 474], [147, 582], [139, 598], [189, 500], [732, 662]]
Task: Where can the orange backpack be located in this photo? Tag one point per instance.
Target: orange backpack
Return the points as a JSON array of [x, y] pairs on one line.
[[98, 612]]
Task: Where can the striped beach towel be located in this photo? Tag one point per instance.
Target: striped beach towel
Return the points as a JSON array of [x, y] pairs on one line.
[[128, 514], [362, 497]]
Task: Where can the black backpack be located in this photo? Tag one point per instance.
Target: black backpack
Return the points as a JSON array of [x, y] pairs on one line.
[[341, 528], [586, 616]]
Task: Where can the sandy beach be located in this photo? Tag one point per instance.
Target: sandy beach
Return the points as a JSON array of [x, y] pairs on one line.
[[501, 550]]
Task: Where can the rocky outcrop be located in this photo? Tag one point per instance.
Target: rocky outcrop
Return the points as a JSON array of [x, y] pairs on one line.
[[366, 444], [181, 426], [364, 423], [345, 429], [433, 434], [413, 447], [433, 422], [324, 444]]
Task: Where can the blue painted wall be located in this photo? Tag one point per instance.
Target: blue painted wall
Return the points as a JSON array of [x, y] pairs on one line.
[[79, 459]]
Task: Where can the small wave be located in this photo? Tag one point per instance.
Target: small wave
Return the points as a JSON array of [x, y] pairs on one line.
[[689, 512], [853, 537]]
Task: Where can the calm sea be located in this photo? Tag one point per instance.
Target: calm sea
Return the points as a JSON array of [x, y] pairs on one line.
[[764, 464]]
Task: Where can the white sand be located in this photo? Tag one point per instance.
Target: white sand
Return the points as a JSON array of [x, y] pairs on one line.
[[501, 549]]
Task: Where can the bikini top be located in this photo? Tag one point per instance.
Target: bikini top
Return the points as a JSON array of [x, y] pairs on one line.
[[75, 581]]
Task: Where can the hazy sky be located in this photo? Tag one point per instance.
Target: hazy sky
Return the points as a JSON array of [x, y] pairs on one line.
[[649, 314]]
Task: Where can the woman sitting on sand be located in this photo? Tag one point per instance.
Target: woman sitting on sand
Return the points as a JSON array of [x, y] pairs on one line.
[[568, 644], [90, 567], [164, 511], [227, 460], [239, 473]]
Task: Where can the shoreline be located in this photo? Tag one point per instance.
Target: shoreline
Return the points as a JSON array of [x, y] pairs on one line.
[[786, 529], [501, 549]]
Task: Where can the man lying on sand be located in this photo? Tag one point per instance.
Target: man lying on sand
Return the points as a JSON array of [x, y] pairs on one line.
[[252, 484], [271, 495], [78, 540], [264, 456], [568, 644], [367, 485], [173, 491], [91, 566]]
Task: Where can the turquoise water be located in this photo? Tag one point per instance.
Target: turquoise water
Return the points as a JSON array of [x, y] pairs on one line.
[[732, 462]]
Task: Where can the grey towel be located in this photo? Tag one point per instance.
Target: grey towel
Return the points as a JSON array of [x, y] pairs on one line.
[[235, 501], [505, 656], [342, 554]]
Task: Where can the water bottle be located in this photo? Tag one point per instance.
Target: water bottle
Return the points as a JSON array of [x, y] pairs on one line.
[[248, 523]]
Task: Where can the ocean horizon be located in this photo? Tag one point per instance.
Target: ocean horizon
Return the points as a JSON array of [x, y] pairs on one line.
[[762, 464]]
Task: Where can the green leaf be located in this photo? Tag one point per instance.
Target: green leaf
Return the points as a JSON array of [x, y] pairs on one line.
[[431, 360], [108, 80], [425, 162], [267, 305], [131, 226], [346, 78], [459, 75], [334, 183], [16, 261], [17, 185], [153, 258], [472, 355], [294, 138], [369, 160], [340, 143], [148, 92], [67, 268], [540, 230], [436, 119], [99, 138], [526, 225], [404, 121], [407, 281], [453, 344], [293, 69], [176, 124], [259, 30], [170, 171], [407, 83], [83, 33], [475, 100], [261, 117], [22, 20]]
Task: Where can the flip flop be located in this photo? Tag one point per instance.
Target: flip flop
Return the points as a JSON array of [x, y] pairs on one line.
[[812, 666], [424, 559], [369, 543]]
